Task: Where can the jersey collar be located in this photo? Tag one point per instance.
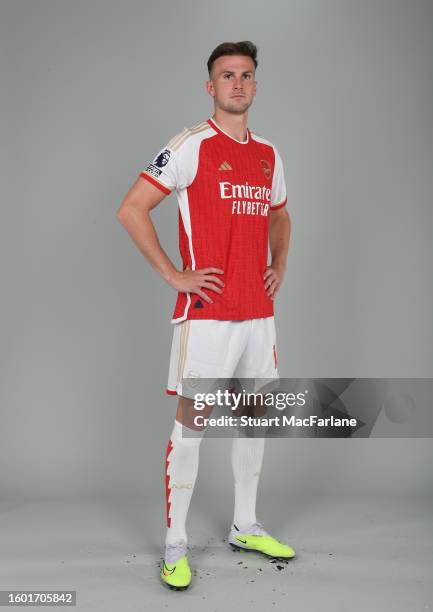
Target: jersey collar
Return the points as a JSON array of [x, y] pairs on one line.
[[217, 128]]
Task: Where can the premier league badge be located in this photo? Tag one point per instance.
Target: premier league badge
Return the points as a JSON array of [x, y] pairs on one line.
[[162, 158]]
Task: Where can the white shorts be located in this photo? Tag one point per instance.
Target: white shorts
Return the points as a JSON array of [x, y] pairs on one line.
[[213, 349]]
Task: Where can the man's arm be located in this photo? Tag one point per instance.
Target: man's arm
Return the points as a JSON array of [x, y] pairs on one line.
[[279, 237], [134, 215]]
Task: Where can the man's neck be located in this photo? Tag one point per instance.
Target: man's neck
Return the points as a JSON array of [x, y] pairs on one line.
[[234, 125]]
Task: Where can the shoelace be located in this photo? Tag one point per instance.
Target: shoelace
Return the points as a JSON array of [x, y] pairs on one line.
[[173, 552]]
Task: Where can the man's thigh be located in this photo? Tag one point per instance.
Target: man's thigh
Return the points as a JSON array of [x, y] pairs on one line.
[[259, 359], [205, 350]]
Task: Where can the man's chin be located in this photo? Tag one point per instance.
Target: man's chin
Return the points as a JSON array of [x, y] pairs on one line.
[[237, 109]]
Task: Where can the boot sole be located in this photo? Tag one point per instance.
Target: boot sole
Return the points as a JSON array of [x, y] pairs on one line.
[[175, 588], [236, 548], [172, 587]]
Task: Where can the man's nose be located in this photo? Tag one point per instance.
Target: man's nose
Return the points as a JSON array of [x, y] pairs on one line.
[[238, 83]]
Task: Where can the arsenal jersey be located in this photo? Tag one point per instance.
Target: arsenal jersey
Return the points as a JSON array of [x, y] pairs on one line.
[[226, 190]]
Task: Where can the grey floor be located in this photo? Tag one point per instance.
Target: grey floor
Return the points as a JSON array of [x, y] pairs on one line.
[[354, 553]]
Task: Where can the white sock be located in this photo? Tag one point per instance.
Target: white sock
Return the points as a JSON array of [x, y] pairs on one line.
[[181, 467], [247, 459]]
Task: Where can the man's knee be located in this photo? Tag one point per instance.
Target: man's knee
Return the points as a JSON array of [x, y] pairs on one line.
[[186, 413]]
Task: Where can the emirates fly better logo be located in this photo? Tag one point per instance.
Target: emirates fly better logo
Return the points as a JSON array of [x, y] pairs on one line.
[[256, 198]]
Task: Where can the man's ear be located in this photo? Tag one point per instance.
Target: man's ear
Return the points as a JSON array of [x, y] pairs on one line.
[[210, 88]]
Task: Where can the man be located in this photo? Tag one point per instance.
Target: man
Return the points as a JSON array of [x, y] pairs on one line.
[[231, 192]]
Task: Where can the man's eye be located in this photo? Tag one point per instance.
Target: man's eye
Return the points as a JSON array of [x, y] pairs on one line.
[[247, 76]]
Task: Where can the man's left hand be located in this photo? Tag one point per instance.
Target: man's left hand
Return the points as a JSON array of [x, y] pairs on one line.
[[273, 277]]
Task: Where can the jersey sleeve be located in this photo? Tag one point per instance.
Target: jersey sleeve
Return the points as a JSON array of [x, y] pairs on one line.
[[166, 171], [278, 194]]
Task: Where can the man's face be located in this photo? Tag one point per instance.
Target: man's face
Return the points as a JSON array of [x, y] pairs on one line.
[[232, 83]]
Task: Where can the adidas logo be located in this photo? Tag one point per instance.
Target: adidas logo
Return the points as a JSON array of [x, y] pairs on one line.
[[225, 166]]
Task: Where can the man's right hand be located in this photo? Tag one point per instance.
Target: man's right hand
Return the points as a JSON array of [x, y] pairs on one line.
[[194, 281]]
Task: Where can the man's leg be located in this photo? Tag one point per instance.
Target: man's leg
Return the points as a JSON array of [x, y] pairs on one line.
[[246, 532], [199, 346], [259, 361], [247, 459], [181, 467]]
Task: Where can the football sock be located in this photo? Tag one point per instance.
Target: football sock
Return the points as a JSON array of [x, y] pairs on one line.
[[181, 467], [247, 459]]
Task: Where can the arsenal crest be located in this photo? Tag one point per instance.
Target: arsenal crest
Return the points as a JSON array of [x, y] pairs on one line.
[[266, 167]]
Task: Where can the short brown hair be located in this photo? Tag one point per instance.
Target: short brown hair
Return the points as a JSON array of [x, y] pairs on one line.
[[245, 47]]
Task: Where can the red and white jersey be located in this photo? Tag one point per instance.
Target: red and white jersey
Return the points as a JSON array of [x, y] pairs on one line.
[[226, 190]]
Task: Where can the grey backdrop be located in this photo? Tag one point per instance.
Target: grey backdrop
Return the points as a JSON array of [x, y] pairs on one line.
[[90, 92]]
